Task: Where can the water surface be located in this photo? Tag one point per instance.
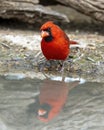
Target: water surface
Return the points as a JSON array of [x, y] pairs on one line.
[[74, 106]]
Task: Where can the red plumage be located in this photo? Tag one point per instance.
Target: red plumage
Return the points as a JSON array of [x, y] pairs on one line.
[[52, 98], [53, 93], [55, 43]]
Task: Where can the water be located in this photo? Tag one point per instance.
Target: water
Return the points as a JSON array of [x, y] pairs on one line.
[[73, 105]]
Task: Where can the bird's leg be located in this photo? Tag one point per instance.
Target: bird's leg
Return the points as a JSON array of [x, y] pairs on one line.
[[63, 62]]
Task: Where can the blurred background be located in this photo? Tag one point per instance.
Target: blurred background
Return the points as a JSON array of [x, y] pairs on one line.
[[83, 14]]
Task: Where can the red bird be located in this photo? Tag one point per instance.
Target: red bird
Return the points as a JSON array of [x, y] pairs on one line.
[[52, 98], [55, 43], [53, 95]]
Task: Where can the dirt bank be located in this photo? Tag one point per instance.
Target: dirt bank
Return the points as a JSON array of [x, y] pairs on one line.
[[20, 53]]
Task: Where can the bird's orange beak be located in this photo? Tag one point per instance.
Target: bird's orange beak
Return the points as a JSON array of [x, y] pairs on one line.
[[41, 112], [44, 34]]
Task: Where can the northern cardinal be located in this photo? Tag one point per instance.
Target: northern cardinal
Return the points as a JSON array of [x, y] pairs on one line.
[[55, 44], [52, 98], [53, 95]]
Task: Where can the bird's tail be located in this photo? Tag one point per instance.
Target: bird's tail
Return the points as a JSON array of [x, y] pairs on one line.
[[73, 42]]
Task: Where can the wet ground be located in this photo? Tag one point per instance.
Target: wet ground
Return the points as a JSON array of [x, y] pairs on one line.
[[73, 99]]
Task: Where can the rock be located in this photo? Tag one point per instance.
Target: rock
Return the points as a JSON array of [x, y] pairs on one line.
[[29, 11], [92, 8]]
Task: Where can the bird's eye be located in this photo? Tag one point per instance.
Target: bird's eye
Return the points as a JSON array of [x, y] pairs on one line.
[[47, 30]]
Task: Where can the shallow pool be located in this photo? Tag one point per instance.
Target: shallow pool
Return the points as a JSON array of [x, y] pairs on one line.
[[70, 105]]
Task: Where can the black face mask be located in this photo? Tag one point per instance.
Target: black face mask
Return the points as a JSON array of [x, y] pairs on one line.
[[50, 37], [45, 107]]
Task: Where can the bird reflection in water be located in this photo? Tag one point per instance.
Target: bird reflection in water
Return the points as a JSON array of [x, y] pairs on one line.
[[52, 98]]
